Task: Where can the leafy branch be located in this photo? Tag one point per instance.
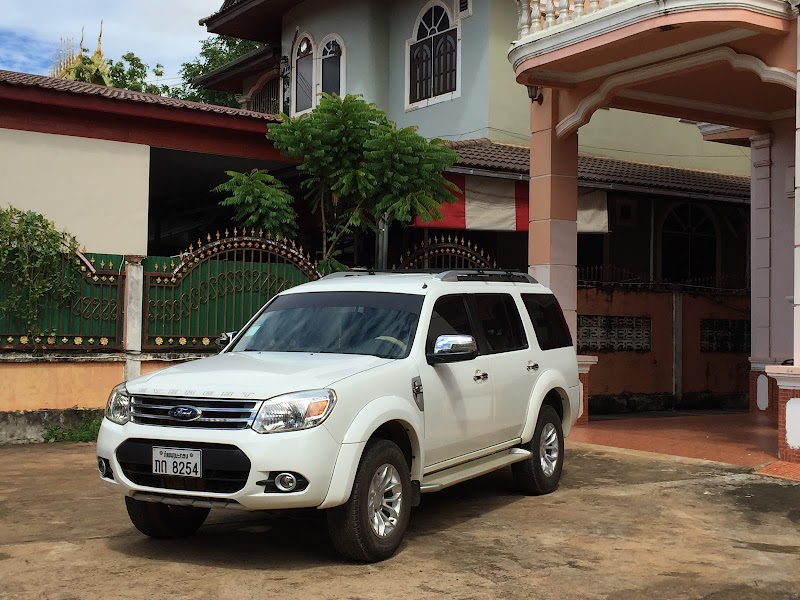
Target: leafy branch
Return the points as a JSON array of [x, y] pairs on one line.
[[31, 266], [260, 201]]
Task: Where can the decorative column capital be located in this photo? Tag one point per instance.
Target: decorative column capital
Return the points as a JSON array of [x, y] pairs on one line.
[[134, 259]]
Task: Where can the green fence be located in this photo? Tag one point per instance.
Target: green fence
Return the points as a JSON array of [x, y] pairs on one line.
[[191, 299], [91, 319]]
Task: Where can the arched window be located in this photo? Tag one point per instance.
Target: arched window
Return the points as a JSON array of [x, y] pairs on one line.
[[304, 75], [689, 246], [433, 56], [332, 66]]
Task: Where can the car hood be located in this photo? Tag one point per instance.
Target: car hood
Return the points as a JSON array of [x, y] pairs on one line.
[[256, 375]]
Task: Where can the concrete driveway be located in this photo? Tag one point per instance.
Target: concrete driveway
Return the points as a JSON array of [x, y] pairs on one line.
[[622, 526]]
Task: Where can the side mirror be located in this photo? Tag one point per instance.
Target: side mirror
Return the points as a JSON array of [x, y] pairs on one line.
[[225, 339], [453, 348]]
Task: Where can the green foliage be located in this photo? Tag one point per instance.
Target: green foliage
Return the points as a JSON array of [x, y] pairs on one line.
[[358, 167], [260, 201], [214, 52], [31, 265], [86, 431], [131, 73]]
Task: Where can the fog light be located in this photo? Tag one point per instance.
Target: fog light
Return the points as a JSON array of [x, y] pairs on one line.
[[105, 468], [286, 482]]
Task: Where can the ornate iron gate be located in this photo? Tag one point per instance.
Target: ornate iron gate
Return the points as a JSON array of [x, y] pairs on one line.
[[216, 287], [90, 319], [446, 253]]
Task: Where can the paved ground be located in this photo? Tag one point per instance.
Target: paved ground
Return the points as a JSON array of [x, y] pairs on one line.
[[725, 436], [622, 526]]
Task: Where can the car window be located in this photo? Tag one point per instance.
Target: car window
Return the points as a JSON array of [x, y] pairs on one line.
[[373, 323], [548, 321], [500, 323], [449, 318]]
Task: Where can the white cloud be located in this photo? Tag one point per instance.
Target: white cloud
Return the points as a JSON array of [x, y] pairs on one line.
[[158, 31]]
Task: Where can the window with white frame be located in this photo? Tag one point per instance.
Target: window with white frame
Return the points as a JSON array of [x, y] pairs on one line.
[[332, 66], [433, 56], [304, 75]]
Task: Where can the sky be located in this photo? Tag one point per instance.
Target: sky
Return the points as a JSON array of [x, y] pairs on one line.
[[157, 31]]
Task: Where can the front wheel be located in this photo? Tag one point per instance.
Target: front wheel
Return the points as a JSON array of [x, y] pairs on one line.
[[540, 474], [370, 525], [163, 521]]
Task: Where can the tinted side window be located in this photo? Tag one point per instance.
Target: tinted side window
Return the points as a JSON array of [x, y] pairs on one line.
[[499, 318], [449, 318], [548, 321]]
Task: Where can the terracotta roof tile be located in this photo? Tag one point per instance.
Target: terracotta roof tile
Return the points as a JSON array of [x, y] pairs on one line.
[[76, 87], [484, 154]]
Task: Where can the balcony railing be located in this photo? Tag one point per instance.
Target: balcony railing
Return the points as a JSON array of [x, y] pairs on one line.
[[536, 15]]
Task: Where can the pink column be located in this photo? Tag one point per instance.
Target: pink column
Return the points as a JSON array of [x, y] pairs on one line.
[[553, 238]]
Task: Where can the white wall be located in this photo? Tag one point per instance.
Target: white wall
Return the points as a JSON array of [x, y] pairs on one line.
[[363, 27], [95, 189]]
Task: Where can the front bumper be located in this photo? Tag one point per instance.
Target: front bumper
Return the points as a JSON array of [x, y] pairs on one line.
[[312, 453]]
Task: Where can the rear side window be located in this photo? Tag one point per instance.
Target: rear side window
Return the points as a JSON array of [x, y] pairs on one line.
[[449, 318], [502, 326], [548, 321]]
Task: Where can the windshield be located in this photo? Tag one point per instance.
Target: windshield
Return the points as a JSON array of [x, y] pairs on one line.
[[370, 323]]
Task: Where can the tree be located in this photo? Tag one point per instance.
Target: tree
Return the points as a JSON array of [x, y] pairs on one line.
[[358, 167], [260, 201], [31, 264], [131, 73], [214, 53]]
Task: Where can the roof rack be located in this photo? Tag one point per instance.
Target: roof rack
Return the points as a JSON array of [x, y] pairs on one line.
[[448, 276], [486, 275]]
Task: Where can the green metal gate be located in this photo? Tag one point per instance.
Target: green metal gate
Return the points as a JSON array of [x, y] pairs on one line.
[[216, 287]]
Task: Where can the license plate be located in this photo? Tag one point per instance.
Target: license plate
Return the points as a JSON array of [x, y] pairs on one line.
[[182, 462]]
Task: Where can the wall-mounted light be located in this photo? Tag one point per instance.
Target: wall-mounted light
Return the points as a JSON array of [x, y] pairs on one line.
[[535, 94], [285, 66]]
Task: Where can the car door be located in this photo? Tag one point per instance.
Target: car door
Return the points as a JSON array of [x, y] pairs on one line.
[[458, 396], [513, 363]]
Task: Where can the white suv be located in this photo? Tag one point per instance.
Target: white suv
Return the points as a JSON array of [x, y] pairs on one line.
[[355, 393]]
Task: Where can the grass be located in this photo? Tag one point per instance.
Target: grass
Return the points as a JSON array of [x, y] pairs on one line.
[[85, 431]]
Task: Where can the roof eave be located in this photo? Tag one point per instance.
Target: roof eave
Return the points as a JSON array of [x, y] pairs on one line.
[[256, 20], [229, 77]]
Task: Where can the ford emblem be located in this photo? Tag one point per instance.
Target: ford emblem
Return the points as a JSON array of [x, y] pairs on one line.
[[185, 413]]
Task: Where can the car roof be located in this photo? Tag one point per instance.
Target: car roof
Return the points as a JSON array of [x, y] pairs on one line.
[[399, 282]]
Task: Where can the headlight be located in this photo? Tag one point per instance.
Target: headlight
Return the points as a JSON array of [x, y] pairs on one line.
[[118, 408], [291, 412]]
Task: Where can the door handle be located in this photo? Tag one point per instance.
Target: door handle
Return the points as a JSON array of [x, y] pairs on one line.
[[533, 367], [481, 376]]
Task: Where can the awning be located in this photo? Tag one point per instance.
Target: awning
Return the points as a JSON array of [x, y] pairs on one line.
[[497, 204]]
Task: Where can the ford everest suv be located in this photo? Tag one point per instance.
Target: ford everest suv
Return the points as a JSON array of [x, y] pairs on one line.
[[353, 394]]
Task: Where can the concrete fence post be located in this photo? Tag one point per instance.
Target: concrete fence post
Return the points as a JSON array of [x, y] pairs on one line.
[[134, 298], [677, 345]]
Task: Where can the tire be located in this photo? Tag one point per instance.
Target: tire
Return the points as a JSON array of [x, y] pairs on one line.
[[537, 476], [163, 521], [351, 525]]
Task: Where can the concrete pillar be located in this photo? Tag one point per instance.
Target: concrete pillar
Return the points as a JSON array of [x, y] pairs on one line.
[[788, 377], [553, 237], [132, 333], [585, 363], [760, 244]]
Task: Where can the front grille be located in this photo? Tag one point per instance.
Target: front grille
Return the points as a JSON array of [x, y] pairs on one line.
[[216, 413], [225, 467]]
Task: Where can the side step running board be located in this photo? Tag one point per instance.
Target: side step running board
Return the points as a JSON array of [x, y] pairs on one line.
[[443, 479]]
